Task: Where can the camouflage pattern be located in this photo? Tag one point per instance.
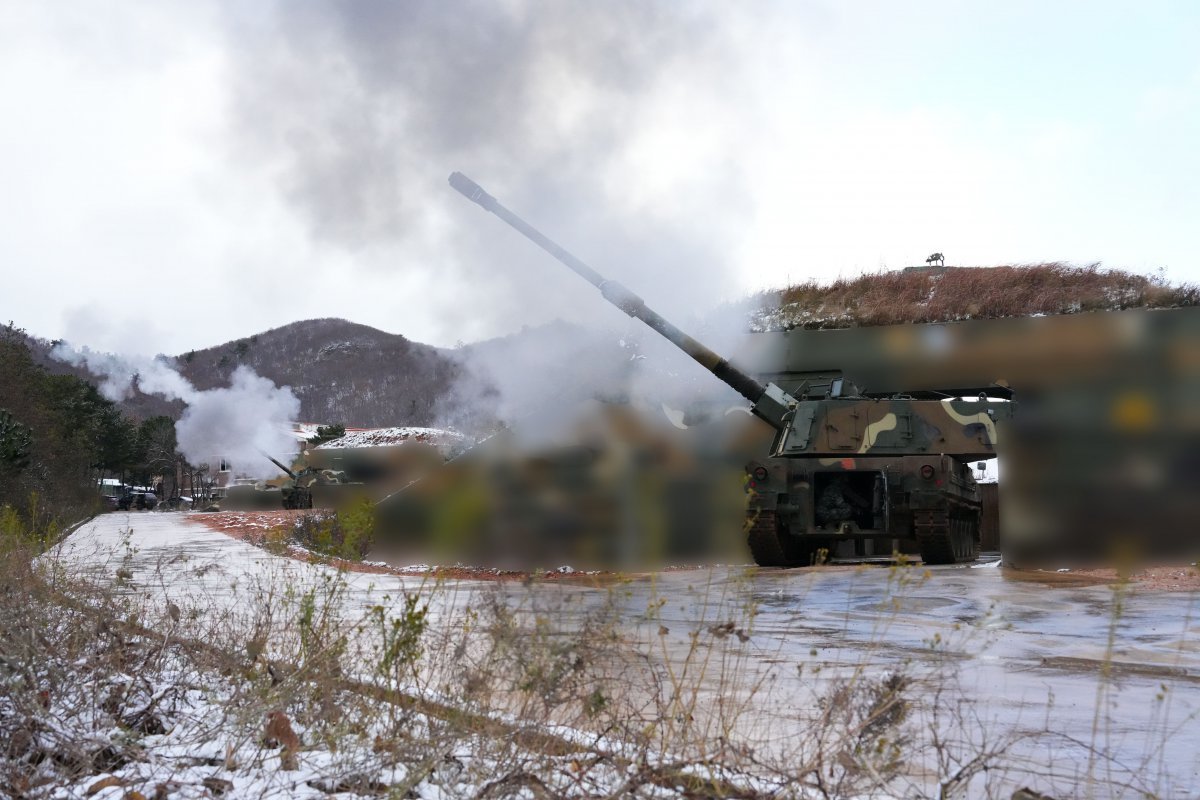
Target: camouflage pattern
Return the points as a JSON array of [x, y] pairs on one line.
[[864, 426], [305, 488], [311, 487]]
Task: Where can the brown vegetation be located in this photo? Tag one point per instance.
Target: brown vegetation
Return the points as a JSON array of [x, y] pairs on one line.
[[95, 679], [495, 693], [937, 295]]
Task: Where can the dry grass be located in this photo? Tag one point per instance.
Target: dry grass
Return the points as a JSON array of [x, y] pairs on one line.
[[537, 690], [545, 694], [933, 295]]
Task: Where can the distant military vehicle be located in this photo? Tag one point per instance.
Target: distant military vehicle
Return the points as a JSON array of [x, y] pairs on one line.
[[297, 492], [137, 499], [844, 466], [364, 463]]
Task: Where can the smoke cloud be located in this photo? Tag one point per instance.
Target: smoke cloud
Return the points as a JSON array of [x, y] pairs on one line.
[[236, 424], [121, 375], [538, 383], [359, 111], [240, 423]]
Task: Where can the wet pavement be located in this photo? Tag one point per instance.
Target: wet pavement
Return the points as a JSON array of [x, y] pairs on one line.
[[1085, 688]]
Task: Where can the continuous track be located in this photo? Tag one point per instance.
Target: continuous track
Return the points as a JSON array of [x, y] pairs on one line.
[[766, 545], [944, 538]]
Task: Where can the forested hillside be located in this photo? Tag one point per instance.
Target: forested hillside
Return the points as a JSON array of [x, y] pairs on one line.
[[58, 436]]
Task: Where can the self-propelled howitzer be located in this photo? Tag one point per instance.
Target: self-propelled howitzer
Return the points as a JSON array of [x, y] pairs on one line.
[[295, 493], [843, 465]]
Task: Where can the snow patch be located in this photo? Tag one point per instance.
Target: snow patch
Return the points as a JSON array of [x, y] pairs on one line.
[[389, 437]]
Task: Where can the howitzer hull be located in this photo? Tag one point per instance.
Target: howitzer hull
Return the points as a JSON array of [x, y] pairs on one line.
[[803, 511], [869, 477]]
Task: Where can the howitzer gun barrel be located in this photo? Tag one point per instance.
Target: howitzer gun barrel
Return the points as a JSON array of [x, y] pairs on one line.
[[769, 401], [837, 426], [277, 463]]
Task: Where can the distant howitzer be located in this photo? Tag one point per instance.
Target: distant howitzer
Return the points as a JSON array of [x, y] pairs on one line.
[[296, 493], [835, 423], [317, 486]]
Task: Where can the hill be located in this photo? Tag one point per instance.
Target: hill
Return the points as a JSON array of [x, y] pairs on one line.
[[340, 371], [946, 294], [344, 372]]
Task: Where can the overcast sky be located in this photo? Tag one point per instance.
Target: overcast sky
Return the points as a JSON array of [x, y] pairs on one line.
[[175, 175]]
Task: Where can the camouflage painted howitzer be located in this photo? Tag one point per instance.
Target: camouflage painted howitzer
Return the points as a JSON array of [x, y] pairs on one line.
[[297, 492], [843, 466]]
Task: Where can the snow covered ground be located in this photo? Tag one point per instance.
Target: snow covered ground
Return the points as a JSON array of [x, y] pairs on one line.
[[389, 437], [1072, 689]]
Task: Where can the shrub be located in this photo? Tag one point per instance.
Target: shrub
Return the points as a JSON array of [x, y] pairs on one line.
[[347, 534]]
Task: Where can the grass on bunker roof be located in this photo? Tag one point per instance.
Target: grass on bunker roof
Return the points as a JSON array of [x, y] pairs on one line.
[[960, 293]]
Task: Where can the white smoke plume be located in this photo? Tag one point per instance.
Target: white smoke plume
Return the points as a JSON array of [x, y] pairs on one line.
[[359, 112], [236, 424], [240, 423], [538, 381], [117, 373]]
